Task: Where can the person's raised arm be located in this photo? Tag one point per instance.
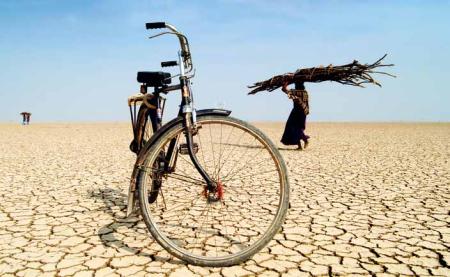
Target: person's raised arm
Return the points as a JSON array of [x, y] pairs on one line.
[[284, 88]]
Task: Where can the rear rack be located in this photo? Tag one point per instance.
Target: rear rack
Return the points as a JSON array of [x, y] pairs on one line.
[[140, 99]]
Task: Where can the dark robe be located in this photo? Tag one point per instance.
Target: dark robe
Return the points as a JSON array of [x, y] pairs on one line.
[[296, 123]]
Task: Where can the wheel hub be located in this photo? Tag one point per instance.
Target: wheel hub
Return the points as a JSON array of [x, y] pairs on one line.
[[215, 194]]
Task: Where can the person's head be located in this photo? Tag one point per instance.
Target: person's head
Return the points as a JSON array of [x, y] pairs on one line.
[[299, 85]]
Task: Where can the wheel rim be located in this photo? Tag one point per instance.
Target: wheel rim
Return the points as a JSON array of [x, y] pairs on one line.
[[232, 221]]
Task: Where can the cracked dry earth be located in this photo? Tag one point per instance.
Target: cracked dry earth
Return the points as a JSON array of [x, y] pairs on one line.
[[367, 199]]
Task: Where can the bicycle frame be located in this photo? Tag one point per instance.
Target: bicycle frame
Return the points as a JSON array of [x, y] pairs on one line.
[[187, 112]]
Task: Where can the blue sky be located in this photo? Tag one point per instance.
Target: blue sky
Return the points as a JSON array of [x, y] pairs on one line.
[[77, 60]]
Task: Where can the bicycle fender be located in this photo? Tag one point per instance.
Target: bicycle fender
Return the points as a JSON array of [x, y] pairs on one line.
[[213, 112]]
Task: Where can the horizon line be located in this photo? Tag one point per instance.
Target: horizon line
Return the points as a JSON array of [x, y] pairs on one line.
[[251, 121]]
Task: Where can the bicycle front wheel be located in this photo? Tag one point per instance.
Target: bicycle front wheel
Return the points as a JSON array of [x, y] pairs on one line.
[[240, 217]]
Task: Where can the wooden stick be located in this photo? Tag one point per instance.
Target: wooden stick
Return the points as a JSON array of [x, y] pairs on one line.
[[354, 74]]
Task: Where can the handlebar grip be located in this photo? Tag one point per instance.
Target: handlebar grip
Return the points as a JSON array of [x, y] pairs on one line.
[[169, 63], [155, 25]]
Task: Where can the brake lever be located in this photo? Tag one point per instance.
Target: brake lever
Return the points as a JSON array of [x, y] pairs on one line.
[[174, 76], [167, 33], [160, 34], [192, 75]]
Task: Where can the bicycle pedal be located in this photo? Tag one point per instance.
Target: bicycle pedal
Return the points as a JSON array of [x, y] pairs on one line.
[[183, 148]]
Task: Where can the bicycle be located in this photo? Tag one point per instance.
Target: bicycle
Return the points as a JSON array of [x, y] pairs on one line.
[[212, 189]]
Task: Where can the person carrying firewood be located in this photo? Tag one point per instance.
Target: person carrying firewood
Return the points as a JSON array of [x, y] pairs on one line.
[[354, 74], [294, 131]]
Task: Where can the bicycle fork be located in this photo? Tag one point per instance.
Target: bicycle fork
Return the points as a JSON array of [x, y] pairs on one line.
[[190, 127], [190, 123]]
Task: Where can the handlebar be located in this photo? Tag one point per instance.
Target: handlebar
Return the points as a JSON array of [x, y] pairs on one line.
[[155, 25], [169, 63], [185, 52]]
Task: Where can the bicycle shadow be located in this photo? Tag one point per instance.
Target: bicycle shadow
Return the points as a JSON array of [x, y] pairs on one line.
[[261, 147], [109, 235], [244, 146], [289, 149]]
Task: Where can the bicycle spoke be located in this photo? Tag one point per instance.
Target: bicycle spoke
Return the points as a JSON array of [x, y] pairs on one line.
[[229, 214], [197, 182], [201, 149], [226, 143], [217, 170], [245, 164], [238, 177], [212, 148], [230, 154], [194, 201], [201, 225]]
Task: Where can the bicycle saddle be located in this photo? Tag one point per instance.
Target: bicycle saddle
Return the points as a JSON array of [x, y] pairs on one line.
[[154, 78]]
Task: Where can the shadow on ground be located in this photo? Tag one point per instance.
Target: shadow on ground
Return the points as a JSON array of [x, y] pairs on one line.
[[289, 149], [114, 203]]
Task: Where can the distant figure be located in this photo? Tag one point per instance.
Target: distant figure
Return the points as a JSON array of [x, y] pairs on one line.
[[294, 132], [26, 118]]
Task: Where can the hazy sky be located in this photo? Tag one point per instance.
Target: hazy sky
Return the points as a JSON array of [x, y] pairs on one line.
[[77, 60]]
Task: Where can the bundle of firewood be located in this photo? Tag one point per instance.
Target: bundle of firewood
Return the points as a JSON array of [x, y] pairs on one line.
[[354, 74]]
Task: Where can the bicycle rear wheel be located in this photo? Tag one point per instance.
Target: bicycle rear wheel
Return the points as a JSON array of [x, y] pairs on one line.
[[237, 220]]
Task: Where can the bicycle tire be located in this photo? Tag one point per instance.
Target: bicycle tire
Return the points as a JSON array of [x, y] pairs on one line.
[[229, 259], [144, 126], [144, 133]]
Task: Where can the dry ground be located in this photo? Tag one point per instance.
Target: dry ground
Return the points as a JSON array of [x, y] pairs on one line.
[[366, 199]]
